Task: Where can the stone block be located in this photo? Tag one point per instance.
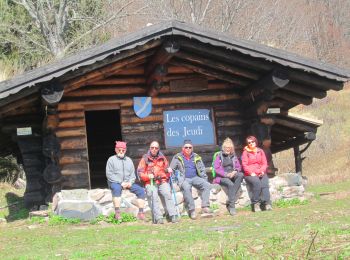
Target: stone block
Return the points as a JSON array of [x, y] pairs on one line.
[[195, 194], [243, 202], [293, 179], [84, 210], [198, 203], [96, 194], [179, 198], [176, 187], [213, 197], [222, 197], [292, 192], [77, 194], [107, 198], [278, 182], [133, 211], [107, 209]]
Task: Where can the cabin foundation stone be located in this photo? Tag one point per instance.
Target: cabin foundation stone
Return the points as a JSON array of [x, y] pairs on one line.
[[88, 204]]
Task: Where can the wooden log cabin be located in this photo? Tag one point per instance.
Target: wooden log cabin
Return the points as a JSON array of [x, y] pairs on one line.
[[61, 120]]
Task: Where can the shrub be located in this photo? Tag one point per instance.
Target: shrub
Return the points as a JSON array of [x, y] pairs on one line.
[[9, 169], [285, 203], [125, 217], [59, 220]]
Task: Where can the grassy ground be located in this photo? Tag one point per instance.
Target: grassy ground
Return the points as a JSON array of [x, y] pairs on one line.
[[319, 229]]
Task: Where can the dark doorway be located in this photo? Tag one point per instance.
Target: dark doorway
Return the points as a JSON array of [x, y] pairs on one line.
[[103, 129]]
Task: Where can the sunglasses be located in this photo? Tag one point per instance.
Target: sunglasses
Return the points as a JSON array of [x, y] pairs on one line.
[[251, 142], [154, 148], [188, 147]]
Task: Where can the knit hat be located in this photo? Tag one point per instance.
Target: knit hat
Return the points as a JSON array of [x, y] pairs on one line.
[[187, 142], [120, 144]]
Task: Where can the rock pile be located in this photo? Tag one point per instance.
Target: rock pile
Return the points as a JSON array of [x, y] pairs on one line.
[[88, 204]]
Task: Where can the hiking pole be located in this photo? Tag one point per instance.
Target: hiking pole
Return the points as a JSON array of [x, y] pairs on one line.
[[174, 196], [152, 202]]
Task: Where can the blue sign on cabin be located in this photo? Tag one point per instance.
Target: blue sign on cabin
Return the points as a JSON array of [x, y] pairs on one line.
[[196, 125]]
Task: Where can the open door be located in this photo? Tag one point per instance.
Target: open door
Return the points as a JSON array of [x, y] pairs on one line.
[[103, 129]]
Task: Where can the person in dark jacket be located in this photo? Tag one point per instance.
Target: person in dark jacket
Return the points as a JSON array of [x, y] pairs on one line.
[[228, 173], [120, 172], [254, 164], [192, 173], [154, 166]]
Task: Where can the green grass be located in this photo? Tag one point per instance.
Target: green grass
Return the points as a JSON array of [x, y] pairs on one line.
[[319, 229], [330, 187], [284, 203]]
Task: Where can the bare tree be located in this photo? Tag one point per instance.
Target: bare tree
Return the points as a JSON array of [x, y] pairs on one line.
[[58, 26]]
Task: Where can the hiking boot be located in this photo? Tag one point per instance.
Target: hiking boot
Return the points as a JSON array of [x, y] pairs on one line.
[[159, 221], [268, 207], [174, 219], [232, 211], [192, 214], [141, 216]]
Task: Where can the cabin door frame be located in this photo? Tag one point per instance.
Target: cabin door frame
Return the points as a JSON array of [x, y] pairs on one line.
[[96, 107]]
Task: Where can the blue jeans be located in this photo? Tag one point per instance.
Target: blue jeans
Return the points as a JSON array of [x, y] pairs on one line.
[[117, 188]]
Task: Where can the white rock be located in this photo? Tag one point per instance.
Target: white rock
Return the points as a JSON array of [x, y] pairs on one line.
[[195, 194], [292, 192], [96, 194], [107, 198], [77, 194]]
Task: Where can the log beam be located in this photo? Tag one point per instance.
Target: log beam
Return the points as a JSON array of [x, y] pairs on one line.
[[299, 140], [305, 90], [271, 82], [162, 56], [225, 55], [235, 70], [210, 72], [294, 125], [156, 69], [106, 71], [293, 98]]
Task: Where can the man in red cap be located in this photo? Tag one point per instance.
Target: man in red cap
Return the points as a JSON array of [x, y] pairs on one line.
[[120, 172]]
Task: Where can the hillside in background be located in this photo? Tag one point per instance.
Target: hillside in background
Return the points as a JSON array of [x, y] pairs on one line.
[[316, 29], [328, 157]]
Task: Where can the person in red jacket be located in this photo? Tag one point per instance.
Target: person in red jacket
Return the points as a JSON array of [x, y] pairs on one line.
[[254, 165], [154, 165]]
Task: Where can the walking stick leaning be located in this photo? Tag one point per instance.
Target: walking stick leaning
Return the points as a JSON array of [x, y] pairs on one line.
[[152, 201]]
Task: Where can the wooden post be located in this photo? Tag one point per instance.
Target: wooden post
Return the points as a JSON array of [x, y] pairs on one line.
[[297, 159]]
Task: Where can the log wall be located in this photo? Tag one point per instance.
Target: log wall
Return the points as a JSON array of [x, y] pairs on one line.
[[118, 93]]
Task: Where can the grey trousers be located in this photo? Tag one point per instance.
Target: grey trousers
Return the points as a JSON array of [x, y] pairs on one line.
[[165, 195], [260, 189], [232, 185], [200, 184]]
